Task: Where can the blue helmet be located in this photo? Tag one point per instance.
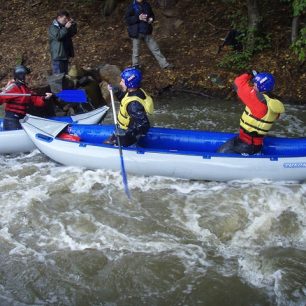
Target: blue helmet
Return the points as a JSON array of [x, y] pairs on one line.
[[264, 81], [132, 77]]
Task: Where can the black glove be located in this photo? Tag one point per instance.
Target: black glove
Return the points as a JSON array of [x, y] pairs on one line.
[[139, 136], [119, 132], [116, 89], [84, 81]]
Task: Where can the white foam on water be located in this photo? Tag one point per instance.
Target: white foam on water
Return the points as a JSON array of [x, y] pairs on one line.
[[265, 229], [293, 125], [35, 188], [268, 207], [106, 238], [271, 204], [89, 178], [15, 200], [277, 275]]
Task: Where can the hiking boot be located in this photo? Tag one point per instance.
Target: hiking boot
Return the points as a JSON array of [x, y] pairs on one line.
[[170, 66]]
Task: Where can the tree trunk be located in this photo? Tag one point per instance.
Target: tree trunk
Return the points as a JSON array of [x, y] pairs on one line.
[[253, 14], [108, 6], [254, 19], [165, 4], [295, 28]]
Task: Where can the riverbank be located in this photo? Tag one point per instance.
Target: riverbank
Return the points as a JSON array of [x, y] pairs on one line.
[[189, 39]]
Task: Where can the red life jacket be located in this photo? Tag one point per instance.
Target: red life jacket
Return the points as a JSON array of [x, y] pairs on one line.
[[19, 104]]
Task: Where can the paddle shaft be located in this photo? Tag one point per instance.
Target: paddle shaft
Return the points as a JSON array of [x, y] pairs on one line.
[[20, 95], [124, 176], [67, 95], [114, 108]]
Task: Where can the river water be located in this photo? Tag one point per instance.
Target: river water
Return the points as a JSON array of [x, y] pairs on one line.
[[69, 236]]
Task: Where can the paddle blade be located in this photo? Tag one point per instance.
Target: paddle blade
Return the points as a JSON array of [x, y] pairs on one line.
[[72, 95], [124, 178]]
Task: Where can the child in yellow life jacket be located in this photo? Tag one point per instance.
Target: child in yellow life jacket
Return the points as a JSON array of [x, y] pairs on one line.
[[259, 115], [135, 106]]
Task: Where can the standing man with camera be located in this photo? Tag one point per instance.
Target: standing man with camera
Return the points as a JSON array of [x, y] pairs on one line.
[[139, 18], [61, 31]]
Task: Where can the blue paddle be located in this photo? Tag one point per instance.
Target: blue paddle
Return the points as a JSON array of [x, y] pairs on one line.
[[67, 95], [123, 173], [72, 95]]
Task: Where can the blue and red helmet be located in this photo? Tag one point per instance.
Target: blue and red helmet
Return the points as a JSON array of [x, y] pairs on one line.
[[132, 77], [264, 81]]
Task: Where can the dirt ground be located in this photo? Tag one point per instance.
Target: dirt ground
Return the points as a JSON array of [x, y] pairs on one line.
[[191, 45]]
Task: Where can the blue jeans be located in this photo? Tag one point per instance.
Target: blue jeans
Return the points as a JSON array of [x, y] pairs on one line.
[[60, 66], [11, 121]]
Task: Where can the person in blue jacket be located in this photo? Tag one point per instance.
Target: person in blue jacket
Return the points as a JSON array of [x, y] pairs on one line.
[[135, 107], [139, 18]]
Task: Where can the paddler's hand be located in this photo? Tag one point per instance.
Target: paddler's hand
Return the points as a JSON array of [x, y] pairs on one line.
[[119, 132], [115, 89], [253, 73], [48, 95]]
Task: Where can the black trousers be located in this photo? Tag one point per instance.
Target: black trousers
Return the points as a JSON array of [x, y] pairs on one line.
[[236, 145], [125, 141]]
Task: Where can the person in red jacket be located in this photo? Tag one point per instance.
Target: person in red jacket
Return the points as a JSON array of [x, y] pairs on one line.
[[16, 106], [259, 114]]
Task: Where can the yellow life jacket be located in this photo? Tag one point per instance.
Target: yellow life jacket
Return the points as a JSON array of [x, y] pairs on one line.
[[123, 115], [261, 126]]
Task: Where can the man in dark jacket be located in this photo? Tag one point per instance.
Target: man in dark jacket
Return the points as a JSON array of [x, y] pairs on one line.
[[139, 18], [61, 31]]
